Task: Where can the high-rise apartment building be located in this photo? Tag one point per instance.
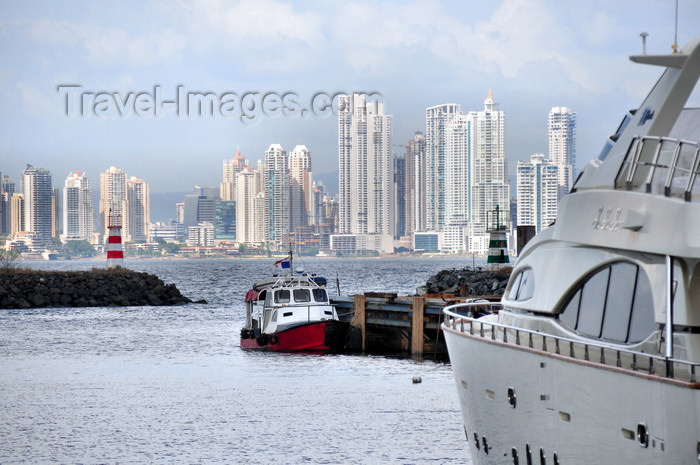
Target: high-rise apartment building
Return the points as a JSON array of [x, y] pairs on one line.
[[276, 188], [400, 196], [7, 189], [561, 129], [459, 145], [437, 119], [365, 167], [113, 198], [230, 169], [415, 184], [537, 191], [138, 209], [38, 204], [300, 188], [78, 215], [491, 188], [250, 207]]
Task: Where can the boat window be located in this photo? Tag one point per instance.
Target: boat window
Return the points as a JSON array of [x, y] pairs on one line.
[[320, 295], [614, 304], [618, 307], [590, 318], [523, 286], [302, 295], [643, 322], [570, 314], [282, 296]]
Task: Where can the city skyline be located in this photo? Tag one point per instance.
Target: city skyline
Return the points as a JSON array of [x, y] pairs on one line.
[[533, 54]]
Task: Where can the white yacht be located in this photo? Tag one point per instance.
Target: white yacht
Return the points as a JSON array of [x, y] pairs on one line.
[[593, 354]]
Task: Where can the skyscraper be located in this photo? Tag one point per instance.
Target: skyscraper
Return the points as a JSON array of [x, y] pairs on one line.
[[250, 207], [415, 184], [38, 211], [300, 187], [437, 119], [400, 195], [276, 187], [459, 138], [77, 208], [138, 210], [490, 185], [7, 189], [113, 197], [230, 169], [537, 191], [365, 167], [562, 145]]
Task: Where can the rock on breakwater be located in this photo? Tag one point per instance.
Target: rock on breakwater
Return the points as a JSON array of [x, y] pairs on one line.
[[97, 288], [467, 282]]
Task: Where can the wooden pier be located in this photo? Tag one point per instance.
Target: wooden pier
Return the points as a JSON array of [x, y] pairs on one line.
[[387, 323]]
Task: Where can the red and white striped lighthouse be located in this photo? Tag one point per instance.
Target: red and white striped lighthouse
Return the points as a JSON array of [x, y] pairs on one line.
[[115, 255]]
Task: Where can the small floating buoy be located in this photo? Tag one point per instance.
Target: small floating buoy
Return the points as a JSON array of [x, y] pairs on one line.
[[417, 379]]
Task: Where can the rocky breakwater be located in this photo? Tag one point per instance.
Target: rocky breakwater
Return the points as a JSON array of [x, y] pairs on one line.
[[467, 283], [97, 288]]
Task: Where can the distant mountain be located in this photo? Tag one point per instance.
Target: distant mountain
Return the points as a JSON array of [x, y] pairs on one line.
[[330, 181]]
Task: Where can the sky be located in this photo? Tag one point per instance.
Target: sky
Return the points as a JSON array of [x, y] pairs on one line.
[[89, 85]]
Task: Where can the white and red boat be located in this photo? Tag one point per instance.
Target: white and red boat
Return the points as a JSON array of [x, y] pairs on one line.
[[291, 312]]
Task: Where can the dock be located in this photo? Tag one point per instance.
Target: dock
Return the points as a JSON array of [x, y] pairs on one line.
[[387, 323]]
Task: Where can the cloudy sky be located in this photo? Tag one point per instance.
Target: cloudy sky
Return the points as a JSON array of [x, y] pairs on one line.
[[533, 54]]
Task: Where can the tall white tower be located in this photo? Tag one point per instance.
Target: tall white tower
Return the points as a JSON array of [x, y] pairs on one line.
[[537, 191], [437, 119], [138, 216], [276, 188], [459, 140], [490, 185], [562, 145], [365, 159], [77, 208], [113, 199], [300, 187]]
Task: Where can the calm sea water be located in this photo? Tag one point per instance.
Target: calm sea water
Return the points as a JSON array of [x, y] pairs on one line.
[[171, 384]]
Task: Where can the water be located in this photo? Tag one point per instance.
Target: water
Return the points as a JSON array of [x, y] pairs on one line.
[[171, 384]]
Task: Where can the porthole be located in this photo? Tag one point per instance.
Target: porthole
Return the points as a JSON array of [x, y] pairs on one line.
[[511, 397], [642, 435]]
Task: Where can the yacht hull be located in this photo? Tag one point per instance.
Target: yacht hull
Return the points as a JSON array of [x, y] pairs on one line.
[[321, 336], [518, 401]]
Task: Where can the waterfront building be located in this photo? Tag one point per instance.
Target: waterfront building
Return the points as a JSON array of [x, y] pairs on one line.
[[537, 192], [38, 205], [225, 219], [201, 235], [437, 119], [250, 208], [78, 217], [491, 188], [7, 189], [365, 167], [459, 145], [400, 195], [276, 188], [561, 130], [138, 210], [113, 198], [227, 188], [16, 213], [301, 197], [415, 207]]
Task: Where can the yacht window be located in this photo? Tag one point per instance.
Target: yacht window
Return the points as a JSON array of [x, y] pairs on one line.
[[282, 296], [614, 304], [320, 295], [570, 314], [643, 323], [618, 307], [523, 286], [590, 318], [302, 295]]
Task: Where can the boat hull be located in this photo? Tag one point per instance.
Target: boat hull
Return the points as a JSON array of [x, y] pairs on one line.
[[517, 401], [321, 336]]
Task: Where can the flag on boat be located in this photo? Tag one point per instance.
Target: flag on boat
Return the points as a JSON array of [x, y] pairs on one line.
[[284, 263]]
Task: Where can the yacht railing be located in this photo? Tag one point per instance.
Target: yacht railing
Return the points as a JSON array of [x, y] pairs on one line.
[[468, 318], [661, 166]]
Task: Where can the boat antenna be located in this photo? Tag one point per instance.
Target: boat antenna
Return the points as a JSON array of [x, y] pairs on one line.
[[674, 47], [644, 36]]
